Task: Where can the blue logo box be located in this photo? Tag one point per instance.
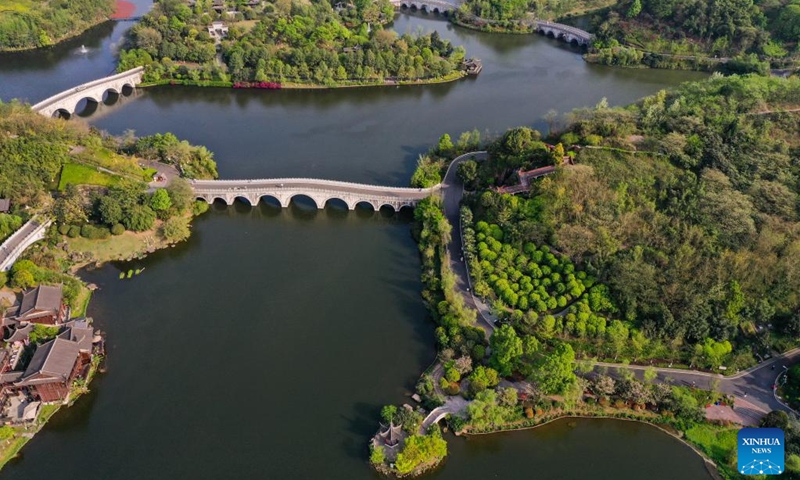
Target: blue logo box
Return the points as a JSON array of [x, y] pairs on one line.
[[761, 451]]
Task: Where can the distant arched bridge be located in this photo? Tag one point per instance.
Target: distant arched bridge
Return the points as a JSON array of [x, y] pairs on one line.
[[431, 6], [320, 191], [67, 101], [564, 32]]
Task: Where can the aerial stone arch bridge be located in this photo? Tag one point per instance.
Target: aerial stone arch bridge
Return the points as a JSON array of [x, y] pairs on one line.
[[431, 6], [320, 191], [564, 32], [67, 101]]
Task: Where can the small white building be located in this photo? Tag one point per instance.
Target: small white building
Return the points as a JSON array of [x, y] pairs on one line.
[[218, 30]]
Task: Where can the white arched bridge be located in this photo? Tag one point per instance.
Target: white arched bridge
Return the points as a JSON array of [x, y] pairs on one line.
[[320, 191], [564, 32], [94, 91], [431, 6]]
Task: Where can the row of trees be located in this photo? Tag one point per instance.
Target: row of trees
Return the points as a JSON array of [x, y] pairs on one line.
[[307, 43], [25, 25], [496, 408]]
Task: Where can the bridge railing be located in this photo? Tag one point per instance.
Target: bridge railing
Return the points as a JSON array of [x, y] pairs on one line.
[[67, 93], [564, 28], [253, 184], [418, 195], [9, 255]]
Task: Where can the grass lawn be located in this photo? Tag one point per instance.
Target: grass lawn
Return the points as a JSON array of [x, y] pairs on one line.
[[719, 443], [10, 448], [127, 245], [245, 25], [75, 174], [20, 6], [148, 174], [82, 302]]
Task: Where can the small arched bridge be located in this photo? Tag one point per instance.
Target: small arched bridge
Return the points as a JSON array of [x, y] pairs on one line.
[[320, 191], [564, 32], [67, 101], [431, 6]]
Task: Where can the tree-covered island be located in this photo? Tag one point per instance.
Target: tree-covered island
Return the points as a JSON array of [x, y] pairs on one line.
[[661, 234], [283, 44], [28, 24]]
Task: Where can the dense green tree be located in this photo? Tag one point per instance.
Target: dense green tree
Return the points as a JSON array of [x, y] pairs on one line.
[[554, 372], [388, 413], [506, 350], [176, 229], [70, 207], [468, 171], [141, 218], [483, 378], [109, 210], [419, 450], [180, 194], [160, 200]]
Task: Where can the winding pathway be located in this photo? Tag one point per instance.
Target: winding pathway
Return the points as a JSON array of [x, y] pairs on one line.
[[452, 191]]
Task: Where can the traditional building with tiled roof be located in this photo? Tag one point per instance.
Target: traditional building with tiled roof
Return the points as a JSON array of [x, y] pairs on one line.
[[43, 304]]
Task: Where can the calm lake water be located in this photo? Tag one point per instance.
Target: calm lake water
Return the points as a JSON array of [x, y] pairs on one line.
[[265, 346]]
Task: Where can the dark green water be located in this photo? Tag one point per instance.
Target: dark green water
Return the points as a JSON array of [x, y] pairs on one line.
[[265, 346]]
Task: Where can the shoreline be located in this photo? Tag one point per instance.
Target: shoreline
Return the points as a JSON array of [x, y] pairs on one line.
[[453, 77], [710, 465], [58, 42], [18, 442]]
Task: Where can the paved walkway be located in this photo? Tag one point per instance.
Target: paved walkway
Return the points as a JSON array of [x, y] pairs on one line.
[[452, 191], [753, 386]]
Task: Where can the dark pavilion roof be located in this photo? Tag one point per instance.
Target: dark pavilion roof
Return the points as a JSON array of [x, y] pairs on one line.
[[42, 300], [391, 435]]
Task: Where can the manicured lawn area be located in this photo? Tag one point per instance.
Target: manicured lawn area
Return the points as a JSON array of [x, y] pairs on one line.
[[75, 174], [719, 443], [127, 245]]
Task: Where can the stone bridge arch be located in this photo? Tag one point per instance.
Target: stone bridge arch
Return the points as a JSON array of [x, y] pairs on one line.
[[93, 91]]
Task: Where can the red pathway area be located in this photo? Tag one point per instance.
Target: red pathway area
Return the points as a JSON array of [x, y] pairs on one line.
[[123, 9], [744, 413]]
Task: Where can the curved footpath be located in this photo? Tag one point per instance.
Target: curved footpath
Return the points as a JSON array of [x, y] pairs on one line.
[[452, 191]]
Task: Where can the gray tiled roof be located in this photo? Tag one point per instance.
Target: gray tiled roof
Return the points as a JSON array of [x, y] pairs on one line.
[[42, 299], [20, 334], [5, 204], [81, 332], [52, 359], [10, 377]]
